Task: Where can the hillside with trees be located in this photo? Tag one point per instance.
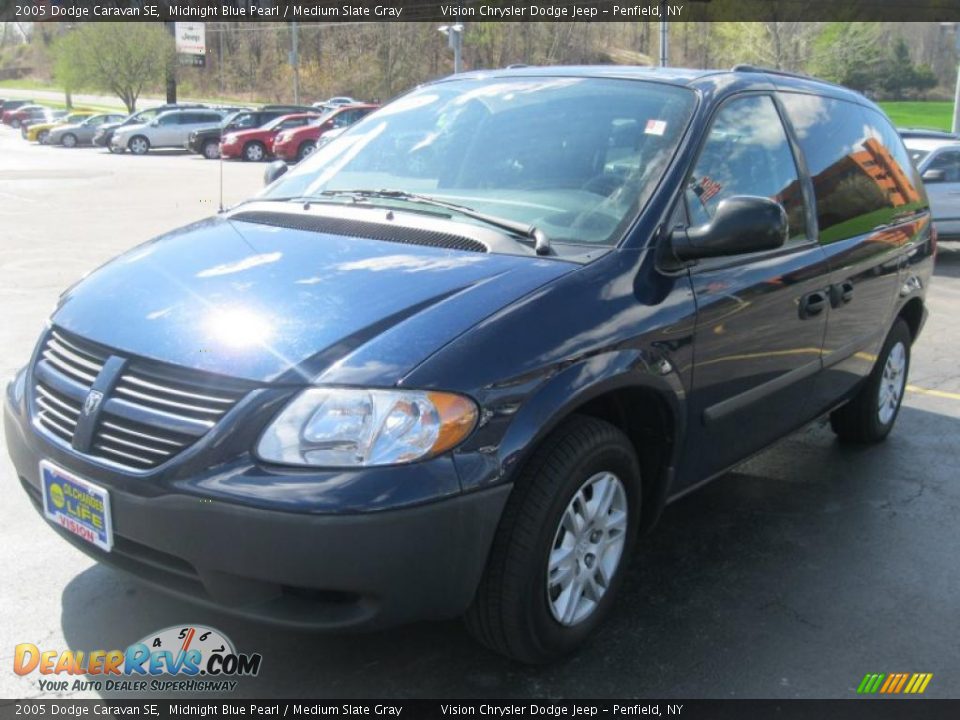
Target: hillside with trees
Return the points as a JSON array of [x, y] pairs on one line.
[[249, 61]]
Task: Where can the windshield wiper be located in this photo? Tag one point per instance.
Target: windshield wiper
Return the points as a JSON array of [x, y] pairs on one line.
[[541, 243]]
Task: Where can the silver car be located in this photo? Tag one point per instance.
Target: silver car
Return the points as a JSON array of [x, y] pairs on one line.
[[939, 164], [81, 133], [167, 130]]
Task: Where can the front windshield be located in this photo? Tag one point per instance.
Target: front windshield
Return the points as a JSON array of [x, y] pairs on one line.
[[275, 123], [575, 157], [322, 118]]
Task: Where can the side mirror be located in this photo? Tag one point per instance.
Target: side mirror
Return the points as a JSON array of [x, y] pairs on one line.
[[934, 176], [742, 224], [273, 171]]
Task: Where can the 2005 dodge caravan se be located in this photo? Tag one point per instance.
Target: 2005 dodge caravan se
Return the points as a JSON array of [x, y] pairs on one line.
[[457, 360]]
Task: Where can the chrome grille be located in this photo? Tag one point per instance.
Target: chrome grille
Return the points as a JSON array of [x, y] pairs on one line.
[[152, 413]]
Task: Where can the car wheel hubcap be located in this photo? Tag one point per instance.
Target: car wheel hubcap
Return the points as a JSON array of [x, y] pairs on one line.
[[587, 548], [892, 383], [213, 152], [137, 146], [254, 152]]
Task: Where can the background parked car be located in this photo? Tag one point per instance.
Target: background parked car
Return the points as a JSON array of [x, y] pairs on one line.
[[294, 145], [919, 133], [9, 106], [335, 102], [207, 141], [38, 132], [939, 164], [104, 134], [81, 133], [167, 130], [47, 116], [14, 118], [257, 144]]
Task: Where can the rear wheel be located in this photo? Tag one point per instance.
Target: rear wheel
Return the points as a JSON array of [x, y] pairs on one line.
[[565, 536], [870, 415], [138, 145], [306, 148], [211, 149], [69, 140]]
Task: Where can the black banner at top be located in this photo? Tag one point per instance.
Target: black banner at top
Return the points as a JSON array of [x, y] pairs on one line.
[[334, 11]]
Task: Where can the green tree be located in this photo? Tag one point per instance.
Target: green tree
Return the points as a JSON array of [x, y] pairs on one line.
[[849, 54], [121, 58]]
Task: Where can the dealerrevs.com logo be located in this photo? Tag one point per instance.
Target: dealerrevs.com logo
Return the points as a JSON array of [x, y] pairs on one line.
[[182, 658]]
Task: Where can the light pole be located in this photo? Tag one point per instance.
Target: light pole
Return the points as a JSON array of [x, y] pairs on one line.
[[295, 62], [454, 35], [664, 36]]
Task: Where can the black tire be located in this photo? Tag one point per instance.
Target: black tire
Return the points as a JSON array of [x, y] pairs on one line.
[[254, 152], [306, 149], [138, 145], [69, 140], [211, 149], [860, 420], [511, 612]]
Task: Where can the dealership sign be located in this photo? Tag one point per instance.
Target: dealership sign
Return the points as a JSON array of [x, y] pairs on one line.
[[191, 41]]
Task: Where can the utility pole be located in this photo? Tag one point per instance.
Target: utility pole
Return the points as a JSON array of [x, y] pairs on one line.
[[172, 70], [295, 61], [454, 35], [664, 36]]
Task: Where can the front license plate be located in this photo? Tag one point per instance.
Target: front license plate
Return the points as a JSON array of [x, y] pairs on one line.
[[77, 505]]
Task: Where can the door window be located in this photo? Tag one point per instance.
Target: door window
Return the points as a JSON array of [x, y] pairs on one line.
[[746, 153], [949, 162], [862, 174]]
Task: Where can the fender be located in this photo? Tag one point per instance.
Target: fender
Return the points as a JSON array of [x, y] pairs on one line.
[[571, 387]]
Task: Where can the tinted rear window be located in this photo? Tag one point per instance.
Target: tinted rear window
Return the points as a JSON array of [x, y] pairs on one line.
[[862, 174]]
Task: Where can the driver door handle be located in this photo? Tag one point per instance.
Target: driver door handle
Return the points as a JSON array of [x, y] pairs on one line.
[[813, 303]]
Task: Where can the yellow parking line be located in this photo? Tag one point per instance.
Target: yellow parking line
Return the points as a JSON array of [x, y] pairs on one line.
[[933, 393]]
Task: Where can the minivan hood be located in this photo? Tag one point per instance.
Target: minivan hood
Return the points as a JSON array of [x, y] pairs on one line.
[[269, 303]]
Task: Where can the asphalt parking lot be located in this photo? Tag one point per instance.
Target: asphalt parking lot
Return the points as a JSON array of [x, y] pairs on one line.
[[793, 576]]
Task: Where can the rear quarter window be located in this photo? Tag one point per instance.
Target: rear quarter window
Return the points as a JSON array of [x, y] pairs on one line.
[[862, 175]]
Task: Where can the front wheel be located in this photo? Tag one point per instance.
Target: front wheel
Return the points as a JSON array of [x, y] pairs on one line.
[[565, 536], [69, 140], [42, 137], [870, 415], [211, 149], [254, 152], [138, 145], [14, 124]]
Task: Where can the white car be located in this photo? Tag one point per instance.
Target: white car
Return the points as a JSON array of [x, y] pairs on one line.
[[335, 102], [168, 129], [939, 164]]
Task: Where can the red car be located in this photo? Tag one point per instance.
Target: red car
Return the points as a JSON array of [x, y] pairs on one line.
[[15, 117], [296, 144], [256, 144]]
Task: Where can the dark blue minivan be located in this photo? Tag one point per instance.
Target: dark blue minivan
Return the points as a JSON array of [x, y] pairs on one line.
[[460, 358]]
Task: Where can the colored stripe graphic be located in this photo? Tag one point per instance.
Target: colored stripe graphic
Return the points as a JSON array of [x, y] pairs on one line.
[[894, 683]]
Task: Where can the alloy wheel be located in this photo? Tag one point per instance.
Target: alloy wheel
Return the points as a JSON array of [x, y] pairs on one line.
[[892, 383], [587, 548]]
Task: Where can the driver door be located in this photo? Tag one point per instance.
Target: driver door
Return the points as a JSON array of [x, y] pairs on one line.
[[761, 317]]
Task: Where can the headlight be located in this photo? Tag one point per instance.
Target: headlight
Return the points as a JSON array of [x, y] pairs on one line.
[[347, 427]]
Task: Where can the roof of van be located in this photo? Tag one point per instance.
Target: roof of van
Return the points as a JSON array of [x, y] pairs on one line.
[[742, 76]]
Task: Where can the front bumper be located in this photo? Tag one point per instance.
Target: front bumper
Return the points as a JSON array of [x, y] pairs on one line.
[[228, 152], [286, 150], [333, 571]]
